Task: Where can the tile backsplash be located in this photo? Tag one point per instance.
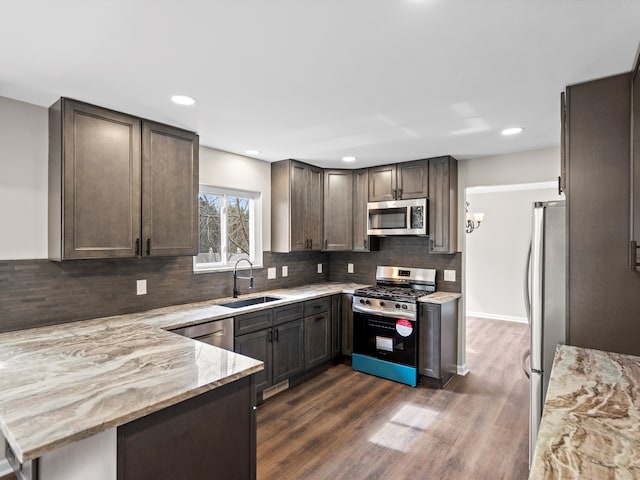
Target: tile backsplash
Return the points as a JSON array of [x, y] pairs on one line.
[[40, 292]]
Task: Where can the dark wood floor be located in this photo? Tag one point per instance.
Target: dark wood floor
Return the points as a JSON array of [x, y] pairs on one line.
[[348, 425]]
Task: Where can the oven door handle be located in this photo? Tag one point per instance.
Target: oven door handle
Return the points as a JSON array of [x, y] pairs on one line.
[[378, 313]]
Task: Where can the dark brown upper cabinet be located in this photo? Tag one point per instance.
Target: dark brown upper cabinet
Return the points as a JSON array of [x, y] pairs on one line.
[[361, 241], [296, 206], [402, 181], [443, 205], [634, 257], [119, 186], [338, 210]]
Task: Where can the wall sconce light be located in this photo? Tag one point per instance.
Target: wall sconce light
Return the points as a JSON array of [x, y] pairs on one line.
[[473, 220]]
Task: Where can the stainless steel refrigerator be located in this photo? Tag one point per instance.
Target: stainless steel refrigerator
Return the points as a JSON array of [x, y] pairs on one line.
[[545, 302]]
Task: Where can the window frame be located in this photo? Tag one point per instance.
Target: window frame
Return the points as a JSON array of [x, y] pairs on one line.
[[255, 226]]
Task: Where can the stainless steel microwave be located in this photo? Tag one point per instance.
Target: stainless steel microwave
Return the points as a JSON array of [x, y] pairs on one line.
[[398, 217]]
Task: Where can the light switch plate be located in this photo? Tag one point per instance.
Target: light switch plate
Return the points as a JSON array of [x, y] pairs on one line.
[[271, 273], [285, 271], [319, 268], [349, 267], [449, 275], [141, 287]]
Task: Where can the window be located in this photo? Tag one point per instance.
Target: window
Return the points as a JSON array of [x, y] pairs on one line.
[[229, 228]]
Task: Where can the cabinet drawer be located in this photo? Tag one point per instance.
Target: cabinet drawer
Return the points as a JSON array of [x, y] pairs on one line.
[[287, 313], [252, 322], [318, 305]]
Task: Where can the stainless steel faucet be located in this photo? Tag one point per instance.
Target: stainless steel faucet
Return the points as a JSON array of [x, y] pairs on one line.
[[236, 290]]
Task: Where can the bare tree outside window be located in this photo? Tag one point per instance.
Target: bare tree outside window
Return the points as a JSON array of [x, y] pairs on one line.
[[225, 230]]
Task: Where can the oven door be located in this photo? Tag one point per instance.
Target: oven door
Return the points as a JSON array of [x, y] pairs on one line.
[[390, 338]]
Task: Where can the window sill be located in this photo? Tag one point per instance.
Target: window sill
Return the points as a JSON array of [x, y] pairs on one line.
[[224, 268]]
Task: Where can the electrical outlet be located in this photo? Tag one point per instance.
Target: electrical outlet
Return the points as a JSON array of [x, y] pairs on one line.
[[285, 271], [349, 267], [271, 273], [449, 275], [319, 268], [141, 287]]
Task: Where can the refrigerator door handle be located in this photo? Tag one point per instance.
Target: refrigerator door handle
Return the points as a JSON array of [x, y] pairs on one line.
[[526, 370], [527, 288], [537, 255]]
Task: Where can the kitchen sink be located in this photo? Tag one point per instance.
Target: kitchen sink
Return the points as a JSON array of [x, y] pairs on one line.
[[249, 301]]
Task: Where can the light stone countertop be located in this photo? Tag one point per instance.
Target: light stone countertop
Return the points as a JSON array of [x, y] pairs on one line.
[[590, 426], [62, 383], [440, 297]]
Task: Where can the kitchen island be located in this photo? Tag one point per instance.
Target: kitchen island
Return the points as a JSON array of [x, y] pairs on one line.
[[590, 426]]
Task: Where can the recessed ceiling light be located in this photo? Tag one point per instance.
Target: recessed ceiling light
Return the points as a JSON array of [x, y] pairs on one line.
[[512, 130], [252, 152], [348, 159], [182, 100]]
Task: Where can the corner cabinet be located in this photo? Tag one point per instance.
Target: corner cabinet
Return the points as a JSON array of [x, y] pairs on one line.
[[296, 207], [443, 205], [402, 181], [119, 186]]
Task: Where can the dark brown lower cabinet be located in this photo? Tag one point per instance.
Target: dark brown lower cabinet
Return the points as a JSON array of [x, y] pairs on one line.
[[258, 345], [438, 349], [288, 350], [317, 339], [209, 436]]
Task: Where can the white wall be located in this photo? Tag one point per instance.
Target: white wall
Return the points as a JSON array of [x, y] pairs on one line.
[[496, 251], [525, 167], [23, 180]]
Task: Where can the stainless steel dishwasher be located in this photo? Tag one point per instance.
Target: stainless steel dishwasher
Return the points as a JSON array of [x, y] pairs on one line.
[[217, 332]]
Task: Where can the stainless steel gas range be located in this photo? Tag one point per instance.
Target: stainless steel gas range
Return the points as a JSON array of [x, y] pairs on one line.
[[385, 323]]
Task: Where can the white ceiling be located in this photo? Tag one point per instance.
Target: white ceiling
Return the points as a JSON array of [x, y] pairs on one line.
[[316, 80]]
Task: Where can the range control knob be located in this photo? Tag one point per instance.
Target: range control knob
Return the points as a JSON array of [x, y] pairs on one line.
[[398, 305], [382, 304], [367, 302], [404, 306], [361, 300]]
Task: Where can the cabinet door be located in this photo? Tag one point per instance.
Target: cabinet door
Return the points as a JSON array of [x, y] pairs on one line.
[[288, 350], [347, 324], [361, 241], [338, 212], [429, 348], [413, 179], [635, 168], [317, 340], [94, 181], [298, 201], [382, 183], [169, 191], [336, 326], [562, 180], [313, 207], [258, 345], [443, 205]]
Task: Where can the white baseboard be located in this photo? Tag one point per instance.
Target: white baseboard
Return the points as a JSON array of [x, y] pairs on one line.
[[463, 369], [5, 468], [493, 316]]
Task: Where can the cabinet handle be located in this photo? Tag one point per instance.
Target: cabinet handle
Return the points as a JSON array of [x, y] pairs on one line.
[[138, 252], [365, 243], [275, 334], [395, 194], [270, 336], [399, 194], [148, 246], [326, 243], [559, 185], [633, 255]]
